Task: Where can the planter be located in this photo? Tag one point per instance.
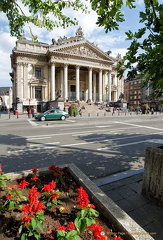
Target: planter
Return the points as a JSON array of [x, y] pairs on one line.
[[126, 226], [153, 174]]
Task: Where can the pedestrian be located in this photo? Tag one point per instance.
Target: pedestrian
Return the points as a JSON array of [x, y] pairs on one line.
[[28, 112], [32, 111]]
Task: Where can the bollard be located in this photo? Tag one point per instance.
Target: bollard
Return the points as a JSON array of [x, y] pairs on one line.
[[9, 115], [104, 114], [17, 114], [88, 114], [97, 114]]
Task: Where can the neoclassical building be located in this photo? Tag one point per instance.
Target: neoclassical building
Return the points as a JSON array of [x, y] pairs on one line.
[[71, 67]]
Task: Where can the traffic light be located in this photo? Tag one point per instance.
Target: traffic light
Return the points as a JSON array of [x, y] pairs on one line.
[[17, 100]]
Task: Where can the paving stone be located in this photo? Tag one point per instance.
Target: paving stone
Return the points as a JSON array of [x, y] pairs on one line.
[[155, 229], [125, 191], [140, 216], [106, 187], [126, 181], [125, 205], [137, 177], [137, 200], [154, 211], [116, 184], [136, 187], [114, 195]]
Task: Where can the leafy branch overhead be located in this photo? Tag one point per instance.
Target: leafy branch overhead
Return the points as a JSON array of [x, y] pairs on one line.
[[40, 13], [144, 57]]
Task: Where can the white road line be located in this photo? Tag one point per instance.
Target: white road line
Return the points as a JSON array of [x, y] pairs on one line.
[[73, 144], [32, 123], [36, 138], [140, 126], [88, 139], [59, 134], [81, 134], [122, 145], [44, 144]]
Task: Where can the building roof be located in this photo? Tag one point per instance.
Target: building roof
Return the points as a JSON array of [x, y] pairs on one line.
[[4, 90]]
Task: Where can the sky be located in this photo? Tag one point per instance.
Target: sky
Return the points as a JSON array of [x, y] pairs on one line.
[[113, 41]]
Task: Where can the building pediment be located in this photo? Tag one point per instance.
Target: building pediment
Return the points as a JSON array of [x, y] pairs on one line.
[[81, 49]]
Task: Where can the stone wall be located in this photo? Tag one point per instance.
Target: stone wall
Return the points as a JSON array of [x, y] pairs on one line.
[[153, 174]]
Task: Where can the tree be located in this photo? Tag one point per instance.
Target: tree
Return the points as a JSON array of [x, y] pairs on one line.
[[38, 12], [144, 57]]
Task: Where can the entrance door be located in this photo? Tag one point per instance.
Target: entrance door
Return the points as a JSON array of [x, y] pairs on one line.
[[72, 92]]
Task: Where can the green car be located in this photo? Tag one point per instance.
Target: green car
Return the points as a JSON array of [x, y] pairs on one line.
[[52, 115]]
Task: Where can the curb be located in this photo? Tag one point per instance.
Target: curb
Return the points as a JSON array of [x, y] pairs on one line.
[[126, 226]]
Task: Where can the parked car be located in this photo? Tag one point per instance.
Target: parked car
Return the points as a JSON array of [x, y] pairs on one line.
[[52, 114]]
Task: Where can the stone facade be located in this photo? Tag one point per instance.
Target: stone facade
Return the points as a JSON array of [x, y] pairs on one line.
[[72, 68]]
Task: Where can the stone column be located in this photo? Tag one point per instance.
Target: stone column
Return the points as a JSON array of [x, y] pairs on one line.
[[90, 85], [65, 82], [94, 86], [61, 79], [18, 81], [25, 80], [77, 83], [52, 81], [109, 87], [116, 91], [100, 85]]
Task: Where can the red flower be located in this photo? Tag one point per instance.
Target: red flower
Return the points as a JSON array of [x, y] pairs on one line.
[[23, 184], [92, 206], [8, 196], [54, 196], [52, 184], [34, 170], [117, 238], [98, 232], [49, 187], [26, 208], [34, 178], [56, 174], [61, 228], [26, 219], [0, 167], [34, 205], [70, 226], [52, 167], [82, 200], [57, 168]]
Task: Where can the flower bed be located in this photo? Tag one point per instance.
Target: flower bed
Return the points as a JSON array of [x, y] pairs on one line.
[[50, 205]]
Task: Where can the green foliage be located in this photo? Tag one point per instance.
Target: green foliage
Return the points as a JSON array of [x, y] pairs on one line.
[[73, 110], [3, 181], [69, 235], [144, 57], [34, 228], [85, 218], [39, 12]]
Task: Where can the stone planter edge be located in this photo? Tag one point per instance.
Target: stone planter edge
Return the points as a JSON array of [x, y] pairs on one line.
[[129, 229]]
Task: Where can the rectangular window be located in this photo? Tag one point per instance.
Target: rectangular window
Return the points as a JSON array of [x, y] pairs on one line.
[[37, 72], [38, 93]]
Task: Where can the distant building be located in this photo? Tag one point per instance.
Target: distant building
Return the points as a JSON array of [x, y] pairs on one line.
[[72, 68], [6, 97], [136, 96]]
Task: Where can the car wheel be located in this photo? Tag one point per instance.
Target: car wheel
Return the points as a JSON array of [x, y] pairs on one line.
[[63, 118], [43, 118]]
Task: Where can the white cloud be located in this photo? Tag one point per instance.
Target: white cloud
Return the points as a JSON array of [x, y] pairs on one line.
[[113, 41]]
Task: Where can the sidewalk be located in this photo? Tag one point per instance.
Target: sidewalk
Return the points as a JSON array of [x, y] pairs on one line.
[[125, 191]]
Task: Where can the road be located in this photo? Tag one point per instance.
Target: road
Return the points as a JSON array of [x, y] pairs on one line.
[[99, 146]]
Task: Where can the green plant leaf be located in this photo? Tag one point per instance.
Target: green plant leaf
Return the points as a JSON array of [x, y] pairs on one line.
[[23, 236]]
